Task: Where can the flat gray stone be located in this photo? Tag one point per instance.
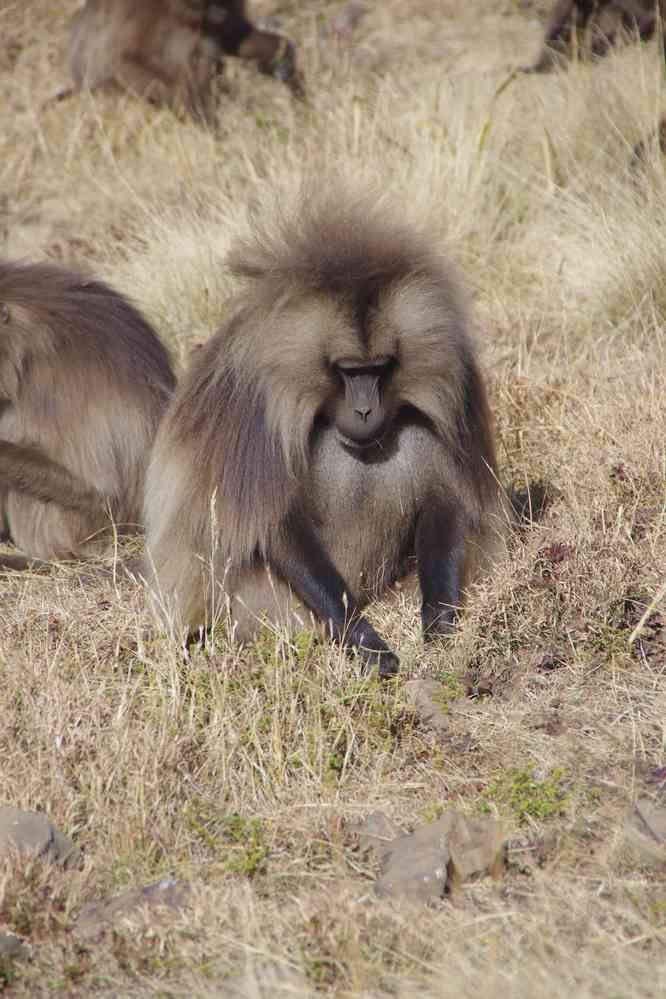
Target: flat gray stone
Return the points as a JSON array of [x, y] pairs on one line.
[[13, 947], [645, 828], [416, 866], [32, 832], [423, 865], [477, 847], [159, 898]]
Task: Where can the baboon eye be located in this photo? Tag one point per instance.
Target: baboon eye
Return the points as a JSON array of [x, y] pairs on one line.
[[5, 314]]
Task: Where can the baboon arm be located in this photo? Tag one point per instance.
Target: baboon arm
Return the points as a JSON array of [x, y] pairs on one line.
[[25, 469], [302, 561], [440, 554]]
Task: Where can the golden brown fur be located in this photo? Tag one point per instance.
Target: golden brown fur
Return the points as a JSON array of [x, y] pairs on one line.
[[170, 51], [83, 383], [247, 445]]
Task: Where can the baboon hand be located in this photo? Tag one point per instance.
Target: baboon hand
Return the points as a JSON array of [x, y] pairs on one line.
[[372, 650]]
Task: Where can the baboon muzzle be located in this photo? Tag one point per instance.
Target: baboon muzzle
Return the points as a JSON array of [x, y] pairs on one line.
[[361, 417]]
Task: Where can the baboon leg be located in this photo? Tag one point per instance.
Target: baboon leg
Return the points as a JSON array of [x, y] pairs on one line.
[[48, 531], [301, 560], [440, 553], [26, 469], [20, 563]]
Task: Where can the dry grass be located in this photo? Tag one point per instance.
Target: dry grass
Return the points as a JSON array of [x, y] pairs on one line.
[[143, 759]]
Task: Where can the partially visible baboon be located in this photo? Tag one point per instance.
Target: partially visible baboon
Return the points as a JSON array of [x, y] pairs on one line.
[[170, 51], [334, 431], [84, 380], [602, 19]]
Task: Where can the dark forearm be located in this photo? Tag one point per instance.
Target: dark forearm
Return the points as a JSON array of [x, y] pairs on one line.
[[299, 558]]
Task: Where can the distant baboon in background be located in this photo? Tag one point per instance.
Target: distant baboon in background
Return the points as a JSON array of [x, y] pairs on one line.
[[602, 19], [170, 51], [83, 383], [335, 431]]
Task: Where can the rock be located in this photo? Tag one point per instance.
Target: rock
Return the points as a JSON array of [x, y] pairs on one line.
[[265, 981], [416, 866], [13, 947], [31, 832], [427, 698], [377, 834], [476, 848], [645, 829], [550, 659], [439, 857], [159, 898]]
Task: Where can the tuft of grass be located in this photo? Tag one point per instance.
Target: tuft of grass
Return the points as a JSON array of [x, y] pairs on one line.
[[527, 796]]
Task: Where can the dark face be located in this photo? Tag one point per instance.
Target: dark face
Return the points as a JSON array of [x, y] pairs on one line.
[[362, 411]]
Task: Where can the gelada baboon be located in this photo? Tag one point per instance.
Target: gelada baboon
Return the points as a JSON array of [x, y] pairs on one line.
[[170, 51], [83, 383], [602, 19], [335, 431]]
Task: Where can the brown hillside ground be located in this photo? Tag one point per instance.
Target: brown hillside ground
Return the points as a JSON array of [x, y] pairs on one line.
[[243, 771]]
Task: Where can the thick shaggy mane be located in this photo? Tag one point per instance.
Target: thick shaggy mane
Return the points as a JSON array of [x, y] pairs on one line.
[[329, 282], [337, 245]]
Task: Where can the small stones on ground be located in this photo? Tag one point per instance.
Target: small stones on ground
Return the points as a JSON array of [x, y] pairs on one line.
[[645, 829], [13, 947], [32, 832], [549, 659], [159, 898], [267, 980], [439, 857]]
